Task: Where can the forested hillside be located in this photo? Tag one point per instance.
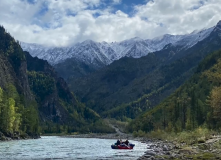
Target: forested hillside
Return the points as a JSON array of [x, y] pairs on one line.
[[72, 68], [34, 99], [194, 104], [59, 109], [127, 87], [18, 108]]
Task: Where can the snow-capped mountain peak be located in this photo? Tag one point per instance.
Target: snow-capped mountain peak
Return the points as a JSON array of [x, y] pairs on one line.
[[191, 39], [88, 42], [218, 27], [103, 53], [219, 24]]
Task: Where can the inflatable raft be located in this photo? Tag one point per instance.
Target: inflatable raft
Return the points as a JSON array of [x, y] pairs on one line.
[[122, 146]]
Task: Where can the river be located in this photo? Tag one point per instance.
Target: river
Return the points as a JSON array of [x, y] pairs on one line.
[[53, 147]]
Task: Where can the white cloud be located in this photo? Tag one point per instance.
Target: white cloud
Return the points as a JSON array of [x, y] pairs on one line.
[[61, 23], [180, 17]]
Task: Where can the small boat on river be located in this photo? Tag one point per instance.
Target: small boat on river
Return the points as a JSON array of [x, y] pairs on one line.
[[122, 146]]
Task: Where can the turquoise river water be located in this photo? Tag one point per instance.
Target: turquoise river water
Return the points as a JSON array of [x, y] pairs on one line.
[[53, 147]]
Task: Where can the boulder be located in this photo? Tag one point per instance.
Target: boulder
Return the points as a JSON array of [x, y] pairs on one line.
[[165, 148], [147, 156], [3, 138], [150, 153]]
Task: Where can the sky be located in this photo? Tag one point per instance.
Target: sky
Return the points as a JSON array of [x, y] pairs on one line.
[[66, 22]]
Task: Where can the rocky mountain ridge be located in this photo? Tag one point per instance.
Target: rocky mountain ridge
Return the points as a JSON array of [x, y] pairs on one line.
[[102, 53]]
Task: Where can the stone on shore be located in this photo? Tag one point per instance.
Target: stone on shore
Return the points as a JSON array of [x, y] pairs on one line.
[[150, 153]]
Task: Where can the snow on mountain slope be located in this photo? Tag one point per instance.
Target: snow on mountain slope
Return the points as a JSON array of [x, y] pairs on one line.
[[52, 55], [104, 53], [135, 47], [191, 39], [108, 50], [159, 43]]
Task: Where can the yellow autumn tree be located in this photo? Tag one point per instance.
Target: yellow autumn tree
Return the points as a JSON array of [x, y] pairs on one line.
[[11, 114]]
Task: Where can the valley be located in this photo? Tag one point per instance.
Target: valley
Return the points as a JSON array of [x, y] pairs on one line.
[[119, 80], [136, 76], [110, 79]]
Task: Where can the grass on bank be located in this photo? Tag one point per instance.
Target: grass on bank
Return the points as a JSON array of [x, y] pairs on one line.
[[199, 135]]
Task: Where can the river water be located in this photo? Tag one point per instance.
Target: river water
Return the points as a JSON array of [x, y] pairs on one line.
[[53, 147]]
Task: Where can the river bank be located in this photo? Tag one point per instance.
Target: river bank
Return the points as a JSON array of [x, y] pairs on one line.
[[157, 149], [17, 136], [162, 150]]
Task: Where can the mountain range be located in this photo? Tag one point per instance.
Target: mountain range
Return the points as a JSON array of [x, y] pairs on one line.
[[114, 78], [129, 86], [91, 55]]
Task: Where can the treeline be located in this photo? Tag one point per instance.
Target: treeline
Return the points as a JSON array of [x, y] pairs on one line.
[[98, 126], [14, 117], [196, 103]]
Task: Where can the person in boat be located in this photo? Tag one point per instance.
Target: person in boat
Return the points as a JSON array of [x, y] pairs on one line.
[[118, 142], [126, 142]]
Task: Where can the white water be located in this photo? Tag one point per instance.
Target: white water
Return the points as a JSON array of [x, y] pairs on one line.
[[68, 148]]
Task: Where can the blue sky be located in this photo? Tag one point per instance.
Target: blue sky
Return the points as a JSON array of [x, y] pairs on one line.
[[127, 6], [65, 22]]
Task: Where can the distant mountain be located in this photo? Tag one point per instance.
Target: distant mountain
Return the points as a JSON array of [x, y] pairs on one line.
[[100, 54], [121, 74], [126, 86], [84, 58]]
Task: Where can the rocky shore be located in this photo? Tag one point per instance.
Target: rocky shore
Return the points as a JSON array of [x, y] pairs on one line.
[[17, 136], [161, 150]]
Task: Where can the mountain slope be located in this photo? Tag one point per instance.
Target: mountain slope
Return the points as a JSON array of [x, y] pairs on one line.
[[72, 68], [57, 105], [34, 98], [155, 76], [195, 103], [16, 99]]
